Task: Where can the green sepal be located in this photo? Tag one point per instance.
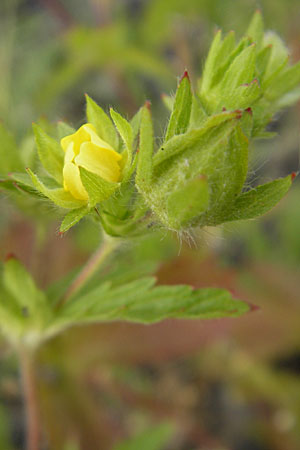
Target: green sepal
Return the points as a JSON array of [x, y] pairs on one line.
[[50, 153], [58, 196], [187, 202], [73, 217], [104, 126], [211, 62], [256, 28], [241, 97], [145, 151], [178, 144], [221, 69], [258, 201], [126, 132], [241, 71], [181, 112], [97, 188]]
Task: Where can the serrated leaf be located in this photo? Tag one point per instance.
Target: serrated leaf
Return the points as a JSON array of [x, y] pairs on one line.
[[139, 301], [50, 153], [97, 188], [58, 195], [144, 161], [258, 201], [187, 202], [181, 112], [256, 28], [104, 127], [73, 217]]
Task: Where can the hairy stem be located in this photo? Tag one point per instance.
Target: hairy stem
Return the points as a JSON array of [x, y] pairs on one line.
[[33, 434], [88, 270]]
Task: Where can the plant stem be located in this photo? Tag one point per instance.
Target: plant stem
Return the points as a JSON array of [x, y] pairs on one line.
[[33, 434], [105, 249]]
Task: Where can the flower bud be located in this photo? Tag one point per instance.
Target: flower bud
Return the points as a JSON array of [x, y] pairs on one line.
[[86, 149]]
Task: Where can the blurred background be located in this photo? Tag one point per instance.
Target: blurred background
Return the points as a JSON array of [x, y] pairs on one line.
[[230, 384]]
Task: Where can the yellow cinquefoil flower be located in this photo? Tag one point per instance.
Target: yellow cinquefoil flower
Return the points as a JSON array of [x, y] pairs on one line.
[[86, 149]]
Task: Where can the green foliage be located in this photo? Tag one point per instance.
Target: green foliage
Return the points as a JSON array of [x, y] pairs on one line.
[[254, 73], [29, 317]]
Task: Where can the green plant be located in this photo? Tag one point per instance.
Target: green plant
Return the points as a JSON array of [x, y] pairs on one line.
[[111, 171]]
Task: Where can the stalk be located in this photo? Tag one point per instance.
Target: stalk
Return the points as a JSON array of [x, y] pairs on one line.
[[32, 417], [96, 260]]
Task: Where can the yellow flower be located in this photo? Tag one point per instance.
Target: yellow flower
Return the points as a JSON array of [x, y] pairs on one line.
[[86, 149]]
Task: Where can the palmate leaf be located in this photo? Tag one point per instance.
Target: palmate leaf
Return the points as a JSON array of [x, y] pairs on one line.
[[142, 302]]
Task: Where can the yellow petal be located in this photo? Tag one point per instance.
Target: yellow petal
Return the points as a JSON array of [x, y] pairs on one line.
[[99, 160], [72, 181], [95, 139], [69, 155]]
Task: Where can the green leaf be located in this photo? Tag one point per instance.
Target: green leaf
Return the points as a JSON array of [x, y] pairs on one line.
[[58, 195], [50, 153], [139, 301], [154, 438], [97, 188], [256, 28], [20, 285], [104, 127], [144, 162], [73, 217], [260, 200], [187, 202], [181, 113]]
